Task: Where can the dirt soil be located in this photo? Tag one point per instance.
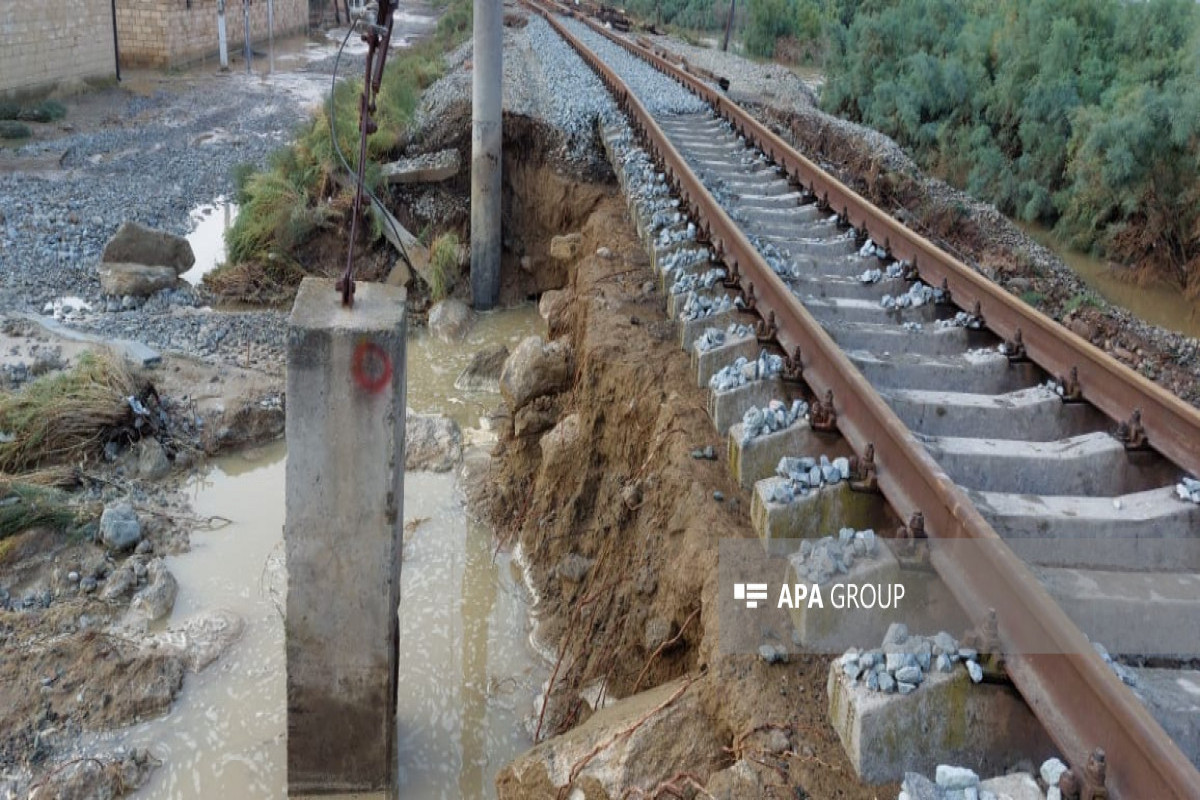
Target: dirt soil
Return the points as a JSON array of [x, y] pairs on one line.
[[637, 506]]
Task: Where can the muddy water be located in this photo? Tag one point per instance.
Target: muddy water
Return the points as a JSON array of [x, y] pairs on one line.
[[467, 674], [1157, 304], [433, 365]]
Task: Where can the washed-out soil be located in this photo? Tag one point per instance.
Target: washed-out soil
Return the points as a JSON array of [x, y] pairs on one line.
[[628, 496]]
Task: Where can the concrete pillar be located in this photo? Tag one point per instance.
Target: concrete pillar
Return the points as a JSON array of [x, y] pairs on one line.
[[344, 529], [486, 135]]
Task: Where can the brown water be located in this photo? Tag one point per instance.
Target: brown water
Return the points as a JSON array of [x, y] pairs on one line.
[[468, 675], [1157, 304], [207, 238]]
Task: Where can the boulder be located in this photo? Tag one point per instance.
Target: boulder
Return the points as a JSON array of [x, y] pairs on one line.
[[483, 373], [135, 280], [201, 639], [432, 443], [536, 416], [632, 744], [560, 444], [119, 526], [156, 600], [534, 369], [119, 582], [566, 247], [743, 779], [134, 243], [152, 463], [450, 320], [553, 307]]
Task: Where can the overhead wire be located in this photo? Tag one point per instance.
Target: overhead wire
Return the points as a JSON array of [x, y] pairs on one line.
[[338, 149]]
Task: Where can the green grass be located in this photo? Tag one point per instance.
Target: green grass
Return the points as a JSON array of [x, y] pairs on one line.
[[443, 263], [1082, 299], [1033, 298], [24, 506]]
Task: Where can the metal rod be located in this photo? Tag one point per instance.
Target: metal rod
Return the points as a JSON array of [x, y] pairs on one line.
[[116, 44], [246, 32]]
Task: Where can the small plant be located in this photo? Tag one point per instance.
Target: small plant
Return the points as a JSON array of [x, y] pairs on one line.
[[1080, 300], [443, 265], [1033, 298], [9, 110], [13, 130]]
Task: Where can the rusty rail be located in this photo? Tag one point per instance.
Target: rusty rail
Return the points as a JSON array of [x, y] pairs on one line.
[[1077, 698]]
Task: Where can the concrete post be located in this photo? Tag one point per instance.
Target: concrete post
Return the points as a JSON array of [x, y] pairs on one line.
[[343, 535], [246, 33], [486, 134], [222, 47]]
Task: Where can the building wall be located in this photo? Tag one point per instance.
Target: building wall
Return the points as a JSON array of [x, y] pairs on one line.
[[44, 43], [163, 33]]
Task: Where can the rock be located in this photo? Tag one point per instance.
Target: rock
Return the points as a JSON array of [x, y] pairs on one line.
[[158, 598], [534, 369], [574, 567], [432, 443], [425, 168], [536, 417], [949, 777], [1051, 770], [119, 526], [635, 742], [553, 307], [119, 583], [1015, 786], [201, 639], [450, 320], [897, 633], [134, 243], [658, 631], [566, 247], [1083, 329], [135, 280], [772, 654], [975, 671], [744, 779], [482, 374], [918, 787], [560, 444], [152, 463], [88, 585]]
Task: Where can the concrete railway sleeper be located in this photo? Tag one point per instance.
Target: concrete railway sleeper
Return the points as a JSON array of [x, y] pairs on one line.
[[941, 395]]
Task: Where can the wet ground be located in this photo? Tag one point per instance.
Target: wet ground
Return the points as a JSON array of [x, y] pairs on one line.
[[468, 675]]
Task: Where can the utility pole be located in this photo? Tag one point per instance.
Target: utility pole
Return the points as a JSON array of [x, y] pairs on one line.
[[486, 135], [728, 26], [271, 34], [246, 31], [221, 43]]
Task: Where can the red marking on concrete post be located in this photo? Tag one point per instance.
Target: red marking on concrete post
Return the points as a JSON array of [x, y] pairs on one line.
[[371, 367]]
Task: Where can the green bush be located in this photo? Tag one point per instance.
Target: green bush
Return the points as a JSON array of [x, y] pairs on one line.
[[1080, 114], [13, 130], [443, 265], [9, 110]]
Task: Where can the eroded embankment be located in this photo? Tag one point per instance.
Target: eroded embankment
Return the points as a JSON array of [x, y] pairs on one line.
[[619, 525]]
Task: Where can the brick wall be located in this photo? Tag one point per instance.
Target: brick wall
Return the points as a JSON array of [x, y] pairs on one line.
[[162, 33], [43, 43]]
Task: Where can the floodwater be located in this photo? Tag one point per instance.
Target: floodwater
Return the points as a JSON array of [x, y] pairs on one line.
[[207, 239], [1158, 304], [467, 675]]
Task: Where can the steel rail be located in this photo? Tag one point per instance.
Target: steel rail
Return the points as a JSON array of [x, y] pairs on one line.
[[1070, 689]]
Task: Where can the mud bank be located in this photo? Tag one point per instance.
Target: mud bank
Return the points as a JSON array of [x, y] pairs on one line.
[[619, 526]]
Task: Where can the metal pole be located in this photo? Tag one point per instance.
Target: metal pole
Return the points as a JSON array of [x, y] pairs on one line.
[[271, 34], [728, 25], [224, 46], [246, 32], [486, 135], [116, 44]]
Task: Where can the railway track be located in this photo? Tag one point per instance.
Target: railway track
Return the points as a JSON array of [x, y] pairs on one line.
[[993, 453]]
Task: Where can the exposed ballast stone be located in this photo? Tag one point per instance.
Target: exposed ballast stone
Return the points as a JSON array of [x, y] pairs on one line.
[[774, 417], [900, 665], [1188, 489], [918, 294], [743, 371], [805, 473], [713, 338], [819, 560]]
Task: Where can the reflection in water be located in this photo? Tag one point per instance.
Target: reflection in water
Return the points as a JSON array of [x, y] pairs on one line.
[[1157, 304], [208, 238]]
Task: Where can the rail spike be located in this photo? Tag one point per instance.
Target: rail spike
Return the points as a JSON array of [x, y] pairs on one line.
[[766, 330], [793, 368], [866, 474], [1131, 433], [1072, 392], [750, 303], [823, 416], [1014, 348]]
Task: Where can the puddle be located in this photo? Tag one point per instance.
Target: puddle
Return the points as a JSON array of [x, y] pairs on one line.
[[433, 365], [467, 674], [208, 238], [1157, 304]]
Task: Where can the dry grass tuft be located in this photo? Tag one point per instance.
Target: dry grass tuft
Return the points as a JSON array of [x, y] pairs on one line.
[[69, 416]]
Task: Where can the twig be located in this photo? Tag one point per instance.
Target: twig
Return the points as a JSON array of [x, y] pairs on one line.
[[663, 646]]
